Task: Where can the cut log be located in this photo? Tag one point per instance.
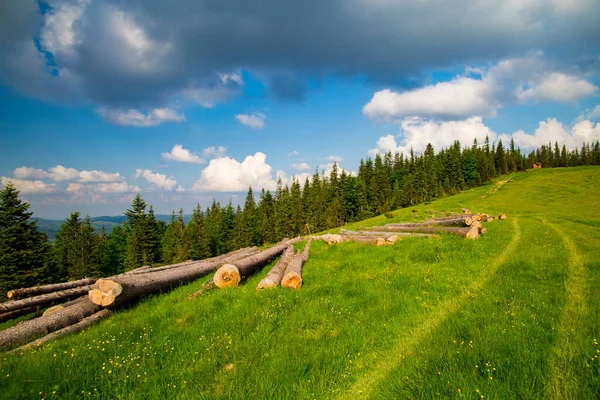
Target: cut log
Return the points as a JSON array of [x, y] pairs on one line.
[[18, 313], [27, 331], [79, 326], [44, 299], [454, 231], [483, 231], [502, 216], [460, 221], [473, 233], [137, 270], [273, 278], [59, 307], [123, 289], [293, 273], [333, 239], [384, 234], [230, 274], [37, 290], [245, 252]]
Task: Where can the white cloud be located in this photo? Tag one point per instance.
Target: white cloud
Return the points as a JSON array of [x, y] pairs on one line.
[[511, 81], [180, 189], [552, 130], [213, 152], [29, 187], [58, 34], [254, 121], [224, 174], [417, 133], [60, 173], [300, 166], [333, 158], [558, 87], [28, 172], [293, 153], [135, 118], [156, 179], [100, 176], [115, 187], [178, 153], [595, 113]]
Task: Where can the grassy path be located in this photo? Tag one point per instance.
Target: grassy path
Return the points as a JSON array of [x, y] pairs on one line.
[[408, 345], [563, 383]]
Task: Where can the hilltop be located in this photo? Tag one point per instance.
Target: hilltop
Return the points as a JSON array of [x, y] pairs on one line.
[[511, 315]]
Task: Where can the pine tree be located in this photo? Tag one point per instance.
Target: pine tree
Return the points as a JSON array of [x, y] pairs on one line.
[[114, 251], [24, 251]]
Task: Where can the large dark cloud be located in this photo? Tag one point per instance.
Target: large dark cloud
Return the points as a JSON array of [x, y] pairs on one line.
[[154, 49]]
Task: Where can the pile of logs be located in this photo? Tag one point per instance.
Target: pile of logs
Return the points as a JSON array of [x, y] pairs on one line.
[[73, 306]]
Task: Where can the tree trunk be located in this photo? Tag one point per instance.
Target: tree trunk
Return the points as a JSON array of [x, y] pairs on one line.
[[230, 275], [26, 331], [79, 326], [59, 307], [242, 252], [384, 233], [18, 313], [44, 299], [293, 273], [123, 289], [37, 290], [454, 231], [273, 278]]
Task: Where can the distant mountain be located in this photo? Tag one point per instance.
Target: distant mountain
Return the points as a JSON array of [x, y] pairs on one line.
[[52, 226]]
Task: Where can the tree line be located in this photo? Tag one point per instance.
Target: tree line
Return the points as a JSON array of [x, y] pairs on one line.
[[383, 183]]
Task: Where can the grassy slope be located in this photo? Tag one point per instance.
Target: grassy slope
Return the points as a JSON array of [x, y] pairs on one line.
[[512, 315]]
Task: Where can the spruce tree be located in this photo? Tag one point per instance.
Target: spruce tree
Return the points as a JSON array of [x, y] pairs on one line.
[[24, 251]]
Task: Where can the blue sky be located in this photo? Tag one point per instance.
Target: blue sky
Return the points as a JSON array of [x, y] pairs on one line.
[[188, 101]]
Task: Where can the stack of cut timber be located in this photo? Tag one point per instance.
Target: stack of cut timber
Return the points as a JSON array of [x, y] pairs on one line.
[[292, 277], [273, 278], [231, 273]]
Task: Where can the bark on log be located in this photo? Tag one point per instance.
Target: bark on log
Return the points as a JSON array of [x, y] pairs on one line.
[[230, 274], [18, 313], [273, 278], [137, 270], [59, 307], [454, 231], [26, 331], [79, 326], [37, 290], [123, 289], [384, 233], [44, 299], [245, 252], [461, 221], [293, 273]]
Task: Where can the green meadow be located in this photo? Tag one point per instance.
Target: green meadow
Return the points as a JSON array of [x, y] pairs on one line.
[[513, 315]]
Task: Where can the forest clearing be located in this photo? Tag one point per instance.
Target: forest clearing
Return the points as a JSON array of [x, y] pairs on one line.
[[512, 314]]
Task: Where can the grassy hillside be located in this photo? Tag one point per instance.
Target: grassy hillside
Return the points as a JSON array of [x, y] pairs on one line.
[[512, 315]]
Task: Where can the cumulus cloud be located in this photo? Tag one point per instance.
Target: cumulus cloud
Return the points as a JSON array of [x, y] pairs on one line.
[[60, 173], [156, 179], [510, 81], [28, 186], [300, 166], [225, 174], [293, 153], [595, 113], [559, 87], [254, 121], [552, 130], [333, 158], [135, 118], [79, 190], [178, 153], [416, 133], [212, 151]]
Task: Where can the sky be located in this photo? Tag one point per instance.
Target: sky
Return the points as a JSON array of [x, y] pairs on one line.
[[188, 101]]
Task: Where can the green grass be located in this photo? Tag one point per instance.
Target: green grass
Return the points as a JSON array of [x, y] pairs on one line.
[[512, 315]]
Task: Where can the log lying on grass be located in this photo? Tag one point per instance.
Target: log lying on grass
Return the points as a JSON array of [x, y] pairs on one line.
[[245, 252], [230, 274], [18, 313], [293, 273], [123, 289], [384, 234], [26, 331], [273, 278], [425, 229], [37, 290], [62, 306], [79, 326], [44, 299]]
